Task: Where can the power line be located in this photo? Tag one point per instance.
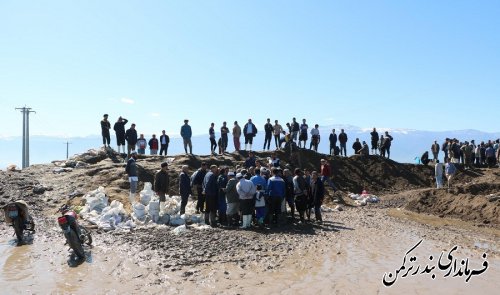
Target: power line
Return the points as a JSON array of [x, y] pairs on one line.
[[67, 143], [26, 135]]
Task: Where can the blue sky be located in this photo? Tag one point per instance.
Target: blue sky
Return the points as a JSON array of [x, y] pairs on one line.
[[428, 65]]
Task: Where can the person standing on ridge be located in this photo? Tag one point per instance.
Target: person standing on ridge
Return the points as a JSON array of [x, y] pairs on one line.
[[119, 128], [131, 137], [105, 126], [186, 134], [387, 144], [153, 145], [435, 150], [141, 145], [315, 138], [333, 142], [277, 133], [294, 129], [343, 141], [236, 136], [374, 141], [164, 141], [211, 134], [249, 131], [268, 129], [303, 133], [223, 135]]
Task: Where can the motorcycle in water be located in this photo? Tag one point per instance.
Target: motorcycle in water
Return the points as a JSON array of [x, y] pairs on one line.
[[76, 235], [17, 215]]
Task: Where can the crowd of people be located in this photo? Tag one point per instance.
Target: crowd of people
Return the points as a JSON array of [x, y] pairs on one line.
[[293, 135], [467, 154], [255, 192]]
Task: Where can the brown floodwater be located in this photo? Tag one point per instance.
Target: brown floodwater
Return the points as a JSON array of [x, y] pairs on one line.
[[344, 262]]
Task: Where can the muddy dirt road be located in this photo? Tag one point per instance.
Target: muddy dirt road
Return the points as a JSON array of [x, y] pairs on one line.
[[348, 254]]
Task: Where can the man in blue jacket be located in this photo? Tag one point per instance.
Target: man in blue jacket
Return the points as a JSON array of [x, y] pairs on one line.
[[186, 134], [276, 191]]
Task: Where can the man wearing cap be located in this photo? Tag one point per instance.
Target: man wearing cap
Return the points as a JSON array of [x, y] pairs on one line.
[[249, 131], [161, 185], [186, 134], [119, 128], [210, 190], [133, 177], [105, 126]]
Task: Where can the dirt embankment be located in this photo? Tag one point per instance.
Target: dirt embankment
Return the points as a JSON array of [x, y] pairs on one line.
[[399, 185]]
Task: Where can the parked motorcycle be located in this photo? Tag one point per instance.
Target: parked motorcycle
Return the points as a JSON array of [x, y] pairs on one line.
[[17, 215], [76, 235]]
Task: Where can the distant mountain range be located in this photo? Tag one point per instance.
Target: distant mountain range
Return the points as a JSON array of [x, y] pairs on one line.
[[407, 144]]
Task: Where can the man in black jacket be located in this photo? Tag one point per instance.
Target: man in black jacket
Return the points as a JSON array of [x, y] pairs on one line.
[[211, 190], [333, 142], [131, 137], [164, 141], [197, 182], [162, 184], [374, 140], [105, 126], [249, 131], [268, 128], [343, 141], [119, 128], [133, 176]]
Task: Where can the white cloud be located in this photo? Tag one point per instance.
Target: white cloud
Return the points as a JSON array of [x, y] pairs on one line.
[[127, 100], [155, 114], [329, 119]]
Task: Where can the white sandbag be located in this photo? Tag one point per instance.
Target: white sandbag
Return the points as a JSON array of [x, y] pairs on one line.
[[176, 220], [163, 219], [172, 206], [146, 194], [372, 199], [139, 210], [96, 200], [179, 230], [154, 210], [355, 196], [326, 209], [201, 226]]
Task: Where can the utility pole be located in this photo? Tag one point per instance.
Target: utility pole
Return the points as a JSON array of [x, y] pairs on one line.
[[67, 143], [26, 135]]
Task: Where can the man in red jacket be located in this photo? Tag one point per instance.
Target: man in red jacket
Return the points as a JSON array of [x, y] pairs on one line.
[[326, 174]]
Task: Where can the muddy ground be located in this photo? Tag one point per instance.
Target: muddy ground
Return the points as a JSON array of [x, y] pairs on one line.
[[348, 254]]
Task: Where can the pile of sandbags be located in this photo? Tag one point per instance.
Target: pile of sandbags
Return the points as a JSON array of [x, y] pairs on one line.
[[364, 198]]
